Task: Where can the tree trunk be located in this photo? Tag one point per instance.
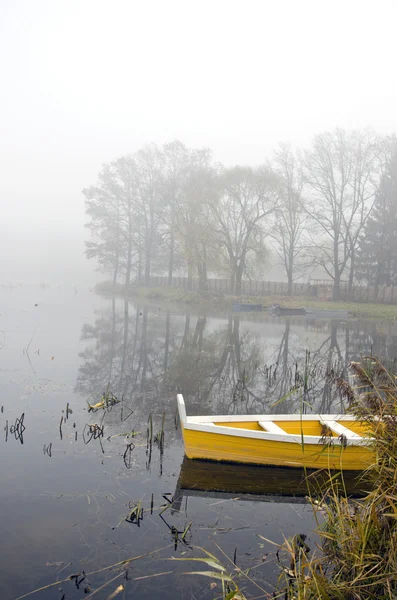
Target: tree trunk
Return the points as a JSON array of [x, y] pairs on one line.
[[189, 274], [233, 282], [148, 259], [116, 264], [204, 270], [351, 276], [128, 269], [171, 258], [117, 256], [239, 277], [115, 273], [336, 286], [290, 282], [202, 273], [290, 269], [129, 254], [150, 230]]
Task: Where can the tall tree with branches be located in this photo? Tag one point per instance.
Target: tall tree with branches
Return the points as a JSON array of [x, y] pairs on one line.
[[247, 197], [340, 173], [103, 204], [193, 223], [377, 250], [148, 184], [290, 218], [176, 159]]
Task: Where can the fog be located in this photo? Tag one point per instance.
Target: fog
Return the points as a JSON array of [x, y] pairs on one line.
[[84, 83]]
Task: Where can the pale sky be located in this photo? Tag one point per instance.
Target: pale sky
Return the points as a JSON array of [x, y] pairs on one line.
[[85, 81]]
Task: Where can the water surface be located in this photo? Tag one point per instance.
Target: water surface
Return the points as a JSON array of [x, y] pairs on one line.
[[65, 494]]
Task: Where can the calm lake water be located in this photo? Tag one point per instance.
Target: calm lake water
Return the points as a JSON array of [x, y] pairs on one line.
[[66, 490]]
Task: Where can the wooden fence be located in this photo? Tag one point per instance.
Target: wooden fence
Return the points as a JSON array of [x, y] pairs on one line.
[[250, 288], [323, 291]]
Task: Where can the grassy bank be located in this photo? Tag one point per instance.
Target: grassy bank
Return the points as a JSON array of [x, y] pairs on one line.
[[224, 302]]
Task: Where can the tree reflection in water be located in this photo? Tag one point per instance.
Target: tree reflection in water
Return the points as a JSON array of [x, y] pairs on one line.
[[236, 364]]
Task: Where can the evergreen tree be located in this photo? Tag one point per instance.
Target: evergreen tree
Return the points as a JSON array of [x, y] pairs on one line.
[[377, 254]]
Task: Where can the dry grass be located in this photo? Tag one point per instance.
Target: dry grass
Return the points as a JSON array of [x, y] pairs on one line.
[[357, 558]]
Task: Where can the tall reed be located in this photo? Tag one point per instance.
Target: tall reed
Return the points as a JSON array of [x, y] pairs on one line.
[[357, 556]]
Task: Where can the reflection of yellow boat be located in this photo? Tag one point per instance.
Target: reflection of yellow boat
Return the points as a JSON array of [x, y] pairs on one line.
[[255, 482], [310, 441]]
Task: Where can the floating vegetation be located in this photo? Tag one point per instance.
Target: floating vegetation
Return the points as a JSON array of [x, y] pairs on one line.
[[136, 514], [127, 435], [177, 535], [107, 401], [17, 430], [78, 579], [92, 432], [166, 506], [229, 581], [117, 591]]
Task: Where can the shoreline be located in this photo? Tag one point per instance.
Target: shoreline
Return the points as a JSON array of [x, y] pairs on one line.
[[225, 301]]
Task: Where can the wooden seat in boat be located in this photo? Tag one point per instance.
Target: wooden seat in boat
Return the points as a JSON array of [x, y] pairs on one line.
[[340, 429], [271, 427]]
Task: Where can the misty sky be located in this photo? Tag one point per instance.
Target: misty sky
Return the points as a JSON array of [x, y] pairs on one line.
[[85, 81]]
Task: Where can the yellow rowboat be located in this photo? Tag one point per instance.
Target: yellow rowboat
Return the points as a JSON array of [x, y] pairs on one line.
[[338, 442]]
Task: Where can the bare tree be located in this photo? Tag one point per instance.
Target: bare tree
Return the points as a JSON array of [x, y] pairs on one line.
[[193, 224], [290, 216], [109, 206], [176, 164], [247, 197], [339, 172], [102, 208], [148, 204]]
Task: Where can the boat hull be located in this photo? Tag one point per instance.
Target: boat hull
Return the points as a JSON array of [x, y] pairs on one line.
[[336, 442], [220, 479], [231, 448]]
